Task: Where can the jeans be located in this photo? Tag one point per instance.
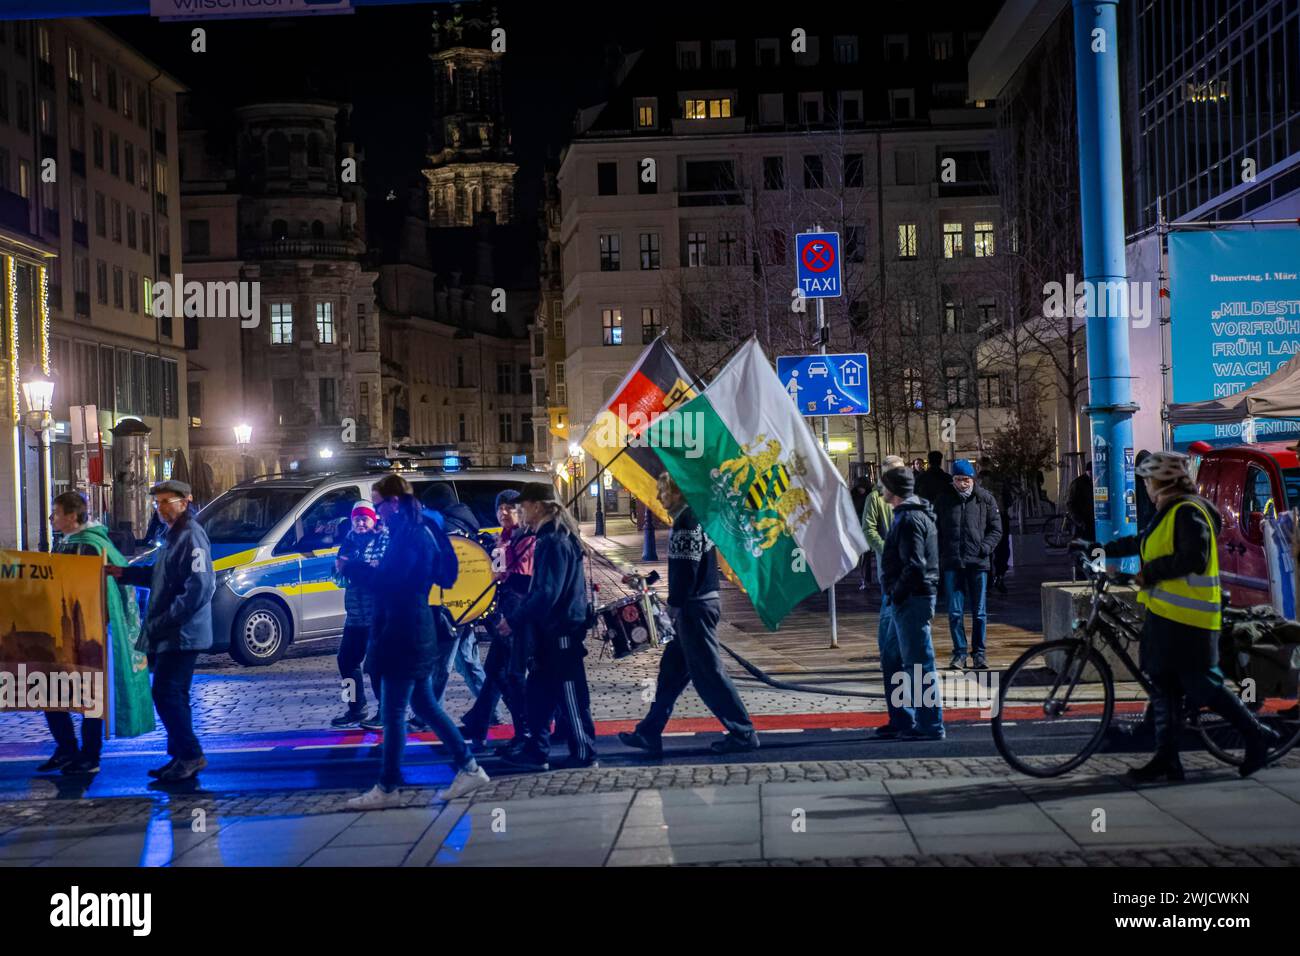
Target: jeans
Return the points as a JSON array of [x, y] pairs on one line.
[[173, 673], [463, 651], [961, 584], [65, 734], [692, 657], [905, 644], [352, 651], [397, 694]]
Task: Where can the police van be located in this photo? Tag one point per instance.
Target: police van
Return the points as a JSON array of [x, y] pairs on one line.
[[274, 541]]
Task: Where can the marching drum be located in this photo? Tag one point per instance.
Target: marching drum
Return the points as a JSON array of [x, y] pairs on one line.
[[474, 585], [626, 627]]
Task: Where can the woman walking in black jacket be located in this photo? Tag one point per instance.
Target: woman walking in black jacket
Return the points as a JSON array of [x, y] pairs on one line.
[[405, 640]]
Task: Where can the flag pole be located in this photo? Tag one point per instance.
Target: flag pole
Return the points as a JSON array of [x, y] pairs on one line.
[[695, 384]]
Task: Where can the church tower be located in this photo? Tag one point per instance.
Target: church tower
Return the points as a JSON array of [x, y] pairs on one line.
[[471, 168]]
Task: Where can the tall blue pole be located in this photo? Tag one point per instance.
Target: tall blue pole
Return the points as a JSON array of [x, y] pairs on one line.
[[1101, 190]]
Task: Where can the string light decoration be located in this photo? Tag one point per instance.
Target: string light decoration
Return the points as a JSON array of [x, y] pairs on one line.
[[44, 281], [11, 308]]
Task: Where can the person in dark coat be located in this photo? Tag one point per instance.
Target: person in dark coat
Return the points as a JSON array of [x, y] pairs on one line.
[[1179, 649], [555, 614], [178, 622], [405, 639], [1146, 509], [365, 541], [970, 528], [934, 480], [910, 578], [1079, 505], [692, 657], [459, 645]]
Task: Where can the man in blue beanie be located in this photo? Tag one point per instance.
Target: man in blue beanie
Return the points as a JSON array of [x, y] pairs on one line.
[[970, 528]]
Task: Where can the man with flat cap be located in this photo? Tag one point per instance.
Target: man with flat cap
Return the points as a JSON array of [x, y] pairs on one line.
[[178, 625]]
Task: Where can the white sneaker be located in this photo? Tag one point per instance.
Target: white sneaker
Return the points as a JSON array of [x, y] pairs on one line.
[[467, 781], [376, 798]]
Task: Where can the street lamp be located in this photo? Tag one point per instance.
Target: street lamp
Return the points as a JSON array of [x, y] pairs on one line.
[[243, 436], [38, 392]]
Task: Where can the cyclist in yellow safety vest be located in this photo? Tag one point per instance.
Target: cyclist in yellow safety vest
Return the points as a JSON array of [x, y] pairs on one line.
[[1180, 588]]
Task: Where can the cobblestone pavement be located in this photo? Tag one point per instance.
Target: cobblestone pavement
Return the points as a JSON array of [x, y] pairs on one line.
[[300, 692]]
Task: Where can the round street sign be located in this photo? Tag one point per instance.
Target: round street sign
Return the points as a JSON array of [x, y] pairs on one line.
[[817, 255]]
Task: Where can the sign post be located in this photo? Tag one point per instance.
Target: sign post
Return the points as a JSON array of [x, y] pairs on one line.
[[817, 269]]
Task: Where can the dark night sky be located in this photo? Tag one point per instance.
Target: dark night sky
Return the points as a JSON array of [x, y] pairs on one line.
[[378, 59]]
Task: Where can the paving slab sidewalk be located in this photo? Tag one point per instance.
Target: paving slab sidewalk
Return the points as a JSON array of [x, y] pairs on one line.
[[758, 814]]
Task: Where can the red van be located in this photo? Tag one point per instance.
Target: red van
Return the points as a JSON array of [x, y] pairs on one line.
[[1247, 482]]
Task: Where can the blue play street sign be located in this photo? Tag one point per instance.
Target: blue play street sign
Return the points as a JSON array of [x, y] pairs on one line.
[[817, 264], [827, 384]]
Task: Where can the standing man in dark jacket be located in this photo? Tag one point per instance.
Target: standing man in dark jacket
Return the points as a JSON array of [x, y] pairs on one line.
[[970, 528], [178, 624], [692, 656], [1079, 505], [405, 641], [555, 615], [365, 542], [934, 480], [910, 577]]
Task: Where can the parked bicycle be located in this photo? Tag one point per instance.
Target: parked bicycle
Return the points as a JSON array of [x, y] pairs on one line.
[[1058, 699], [1059, 530]]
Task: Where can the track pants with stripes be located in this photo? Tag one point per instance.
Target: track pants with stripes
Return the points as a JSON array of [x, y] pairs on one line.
[[558, 681]]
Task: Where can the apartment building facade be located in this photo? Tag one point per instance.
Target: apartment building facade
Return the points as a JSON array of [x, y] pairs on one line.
[[89, 191], [682, 194]]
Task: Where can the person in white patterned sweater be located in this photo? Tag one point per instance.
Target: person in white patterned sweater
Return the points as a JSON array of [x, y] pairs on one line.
[[693, 655]]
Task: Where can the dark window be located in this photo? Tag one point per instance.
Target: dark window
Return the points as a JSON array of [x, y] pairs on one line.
[[197, 237], [609, 252], [774, 172], [329, 411], [853, 170], [814, 173], [607, 179], [711, 175]]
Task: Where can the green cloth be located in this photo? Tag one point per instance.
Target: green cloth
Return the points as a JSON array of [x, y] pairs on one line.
[[132, 700], [877, 516]]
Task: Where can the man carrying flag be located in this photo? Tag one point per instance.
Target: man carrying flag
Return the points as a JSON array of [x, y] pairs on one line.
[[763, 488], [692, 657]]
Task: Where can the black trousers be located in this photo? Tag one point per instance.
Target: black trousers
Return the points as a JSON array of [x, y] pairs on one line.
[[559, 680], [502, 682], [352, 651], [65, 734], [173, 674], [693, 657]]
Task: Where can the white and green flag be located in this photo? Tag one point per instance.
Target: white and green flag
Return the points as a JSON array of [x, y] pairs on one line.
[[765, 491]]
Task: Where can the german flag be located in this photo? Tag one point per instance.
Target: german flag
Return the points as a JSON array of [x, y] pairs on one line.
[[658, 382]]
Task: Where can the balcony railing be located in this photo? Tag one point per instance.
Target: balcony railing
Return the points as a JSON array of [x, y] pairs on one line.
[[297, 249]]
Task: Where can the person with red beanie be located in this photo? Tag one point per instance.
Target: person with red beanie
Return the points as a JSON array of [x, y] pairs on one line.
[[365, 543]]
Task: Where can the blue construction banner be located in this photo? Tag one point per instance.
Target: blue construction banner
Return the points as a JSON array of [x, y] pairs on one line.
[[1235, 313]]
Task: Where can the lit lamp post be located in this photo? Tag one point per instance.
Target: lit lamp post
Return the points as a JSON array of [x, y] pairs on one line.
[[576, 455], [38, 392], [243, 436]]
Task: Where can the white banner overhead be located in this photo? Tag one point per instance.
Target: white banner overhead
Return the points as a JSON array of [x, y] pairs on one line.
[[215, 9]]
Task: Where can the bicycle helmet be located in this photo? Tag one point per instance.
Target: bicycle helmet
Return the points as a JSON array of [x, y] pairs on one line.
[[1165, 466]]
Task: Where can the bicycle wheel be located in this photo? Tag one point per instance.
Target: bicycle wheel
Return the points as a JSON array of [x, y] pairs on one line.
[[1054, 705], [1228, 745], [1057, 531]]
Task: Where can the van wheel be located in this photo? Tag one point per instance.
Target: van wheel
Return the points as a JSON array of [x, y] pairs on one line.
[[261, 633]]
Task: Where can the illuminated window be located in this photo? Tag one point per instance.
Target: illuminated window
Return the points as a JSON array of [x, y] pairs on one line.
[[983, 239], [951, 240], [907, 240], [611, 321], [325, 323], [281, 323]]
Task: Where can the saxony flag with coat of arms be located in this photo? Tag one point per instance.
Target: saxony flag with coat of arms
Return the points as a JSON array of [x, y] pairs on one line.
[[759, 482]]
